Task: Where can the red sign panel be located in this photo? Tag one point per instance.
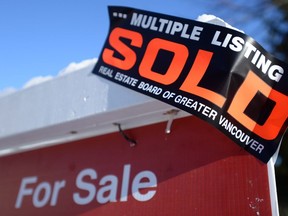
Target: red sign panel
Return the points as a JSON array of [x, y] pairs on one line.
[[194, 170], [220, 75]]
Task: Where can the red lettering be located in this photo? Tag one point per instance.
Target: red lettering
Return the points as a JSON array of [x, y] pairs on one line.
[[195, 75], [251, 85], [176, 66], [128, 54]]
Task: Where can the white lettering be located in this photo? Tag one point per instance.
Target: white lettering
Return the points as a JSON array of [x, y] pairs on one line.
[[89, 187], [42, 194], [240, 135], [24, 191], [125, 183], [109, 187], [167, 26], [45, 189], [151, 182]]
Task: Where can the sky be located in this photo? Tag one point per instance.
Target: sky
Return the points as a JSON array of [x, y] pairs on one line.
[[41, 39]]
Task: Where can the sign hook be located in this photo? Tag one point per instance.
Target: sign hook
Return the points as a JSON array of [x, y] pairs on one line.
[[172, 113], [131, 141]]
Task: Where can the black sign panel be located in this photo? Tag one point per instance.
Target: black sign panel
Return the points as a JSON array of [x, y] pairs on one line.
[[218, 74]]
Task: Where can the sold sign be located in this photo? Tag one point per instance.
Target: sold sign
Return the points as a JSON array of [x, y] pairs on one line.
[[215, 73]]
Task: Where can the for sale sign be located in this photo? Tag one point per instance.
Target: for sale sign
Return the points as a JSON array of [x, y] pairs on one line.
[[218, 74], [187, 172]]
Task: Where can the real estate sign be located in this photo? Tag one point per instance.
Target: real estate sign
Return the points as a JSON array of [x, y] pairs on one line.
[[218, 74], [194, 170]]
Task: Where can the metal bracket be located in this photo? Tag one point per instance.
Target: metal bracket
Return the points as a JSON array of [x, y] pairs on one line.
[[172, 113], [131, 141]]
